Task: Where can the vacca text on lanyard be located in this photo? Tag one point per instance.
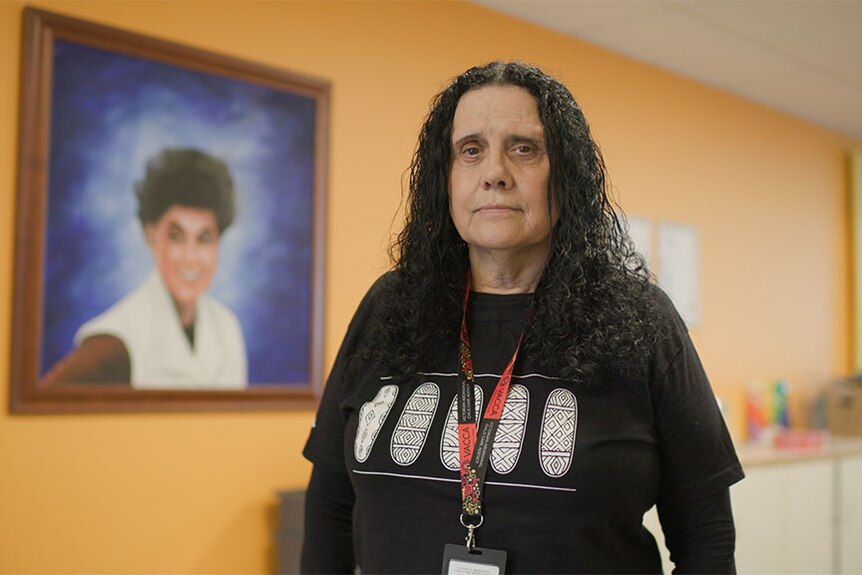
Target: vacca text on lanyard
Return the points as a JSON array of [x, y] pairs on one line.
[[474, 447]]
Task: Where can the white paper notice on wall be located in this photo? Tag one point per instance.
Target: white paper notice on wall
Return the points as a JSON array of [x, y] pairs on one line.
[[679, 268], [640, 231]]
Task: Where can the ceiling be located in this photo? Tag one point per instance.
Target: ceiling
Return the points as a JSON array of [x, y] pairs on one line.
[[802, 57]]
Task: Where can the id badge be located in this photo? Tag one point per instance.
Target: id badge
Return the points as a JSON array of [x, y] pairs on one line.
[[480, 561]]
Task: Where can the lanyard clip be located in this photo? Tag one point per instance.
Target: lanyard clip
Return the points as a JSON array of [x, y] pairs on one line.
[[471, 539], [471, 527]]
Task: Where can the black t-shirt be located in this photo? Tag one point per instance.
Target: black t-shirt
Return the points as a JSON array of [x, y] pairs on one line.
[[573, 469]]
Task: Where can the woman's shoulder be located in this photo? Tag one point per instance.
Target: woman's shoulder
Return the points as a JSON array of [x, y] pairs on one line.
[[128, 315], [386, 282], [670, 331], [661, 308], [385, 286], [356, 344]]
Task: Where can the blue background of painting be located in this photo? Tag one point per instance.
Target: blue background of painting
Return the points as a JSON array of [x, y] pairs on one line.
[[111, 114]]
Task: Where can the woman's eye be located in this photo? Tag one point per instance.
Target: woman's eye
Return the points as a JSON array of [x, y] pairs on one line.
[[524, 149], [470, 151]]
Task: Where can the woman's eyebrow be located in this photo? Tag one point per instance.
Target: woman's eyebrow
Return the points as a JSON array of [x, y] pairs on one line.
[[475, 137], [514, 138]]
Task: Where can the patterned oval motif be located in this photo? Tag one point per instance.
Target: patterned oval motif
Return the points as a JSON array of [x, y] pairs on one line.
[[412, 428], [372, 414], [557, 439], [449, 454], [510, 434]]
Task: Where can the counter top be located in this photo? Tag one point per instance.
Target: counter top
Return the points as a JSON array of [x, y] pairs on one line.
[[755, 455]]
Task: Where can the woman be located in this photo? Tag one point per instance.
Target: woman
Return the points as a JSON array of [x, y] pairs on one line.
[[516, 300], [167, 334]]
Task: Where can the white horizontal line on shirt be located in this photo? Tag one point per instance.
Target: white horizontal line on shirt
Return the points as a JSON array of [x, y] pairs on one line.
[[445, 479], [497, 375]]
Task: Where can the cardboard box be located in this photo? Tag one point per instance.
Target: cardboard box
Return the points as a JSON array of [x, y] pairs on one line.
[[844, 407]]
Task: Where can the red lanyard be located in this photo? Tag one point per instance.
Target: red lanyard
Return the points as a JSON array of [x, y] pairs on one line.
[[475, 447]]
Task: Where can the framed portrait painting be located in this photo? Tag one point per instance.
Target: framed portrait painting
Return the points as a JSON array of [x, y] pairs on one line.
[[169, 226]]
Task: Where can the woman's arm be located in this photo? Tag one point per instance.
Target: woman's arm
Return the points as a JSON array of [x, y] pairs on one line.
[[699, 533], [101, 359], [327, 545]]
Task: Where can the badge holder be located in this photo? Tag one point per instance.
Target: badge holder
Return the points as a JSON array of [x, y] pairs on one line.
[[458, 561], [471, 560]]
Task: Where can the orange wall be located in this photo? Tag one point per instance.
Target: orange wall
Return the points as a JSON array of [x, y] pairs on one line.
[[193, 493]]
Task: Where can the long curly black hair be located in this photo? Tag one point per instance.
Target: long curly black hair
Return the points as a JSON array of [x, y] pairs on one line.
[[589, 309]]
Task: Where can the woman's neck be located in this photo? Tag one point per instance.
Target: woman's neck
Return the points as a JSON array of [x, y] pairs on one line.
[[504, 273], [186, 312]]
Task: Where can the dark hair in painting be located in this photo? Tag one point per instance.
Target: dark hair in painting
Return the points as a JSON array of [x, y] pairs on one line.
[[186, 177]]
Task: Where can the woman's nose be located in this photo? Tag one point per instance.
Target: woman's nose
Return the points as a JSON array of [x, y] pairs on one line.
[[187, 252], [497, 174]]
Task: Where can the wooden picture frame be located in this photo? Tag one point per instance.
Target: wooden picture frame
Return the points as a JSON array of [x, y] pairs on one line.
[[100, 111]]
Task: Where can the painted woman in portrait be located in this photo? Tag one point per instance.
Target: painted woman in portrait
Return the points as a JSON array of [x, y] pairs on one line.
[[168, 333]]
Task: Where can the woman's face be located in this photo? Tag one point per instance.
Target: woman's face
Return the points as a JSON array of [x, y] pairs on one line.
[[498, 184], [185, 243]]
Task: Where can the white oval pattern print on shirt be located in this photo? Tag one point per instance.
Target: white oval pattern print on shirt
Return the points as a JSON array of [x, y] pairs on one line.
[[449, 453], [510, 434], [557, 440], [559, 422], [371, 418], [412, 428]]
